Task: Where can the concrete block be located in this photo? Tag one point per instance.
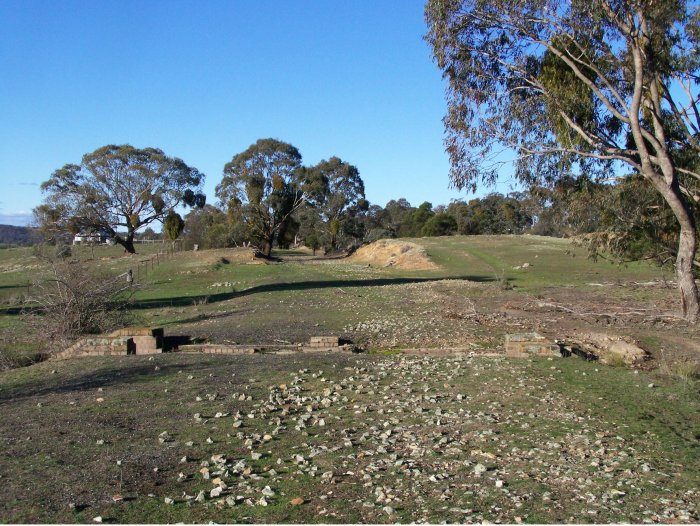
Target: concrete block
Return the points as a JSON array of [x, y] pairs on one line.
[[325, 341], [147, 345], [530, 344]]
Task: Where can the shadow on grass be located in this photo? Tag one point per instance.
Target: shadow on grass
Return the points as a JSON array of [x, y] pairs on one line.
[[12, 311], [104, 376], [131, 372], [205, 316], [182, 301]]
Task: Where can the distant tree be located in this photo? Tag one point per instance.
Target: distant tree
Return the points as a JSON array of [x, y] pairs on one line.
[[587, 86], [375, 217], [173, 225], [288, 232], [117, 186], [418, 218], [310, 220], [209, 227], [492, 214], [460, 211], [149, 233], [263, 186], [572, 207], [335, 188], [312, 242], [442, 224], [354, 227], [396, 217], [376, 234]]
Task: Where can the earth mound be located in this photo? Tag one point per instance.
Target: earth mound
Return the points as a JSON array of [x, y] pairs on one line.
[[394, 253]]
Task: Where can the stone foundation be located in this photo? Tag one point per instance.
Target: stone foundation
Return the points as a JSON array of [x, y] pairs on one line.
[[530, 344], [147, 340], [98, 346], [131, 340], [316, 344], [322, 343]]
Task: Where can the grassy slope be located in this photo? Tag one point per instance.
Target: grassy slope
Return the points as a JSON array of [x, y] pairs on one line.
[[300, 298], [51, 422]]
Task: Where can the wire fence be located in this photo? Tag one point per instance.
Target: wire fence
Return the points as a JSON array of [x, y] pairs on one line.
[[142, 268]]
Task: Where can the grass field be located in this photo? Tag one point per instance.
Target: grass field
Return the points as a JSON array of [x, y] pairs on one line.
[[375, 437]]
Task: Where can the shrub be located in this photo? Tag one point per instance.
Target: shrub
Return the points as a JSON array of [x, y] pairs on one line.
[[313, 242], [685, 369], [75, 299]]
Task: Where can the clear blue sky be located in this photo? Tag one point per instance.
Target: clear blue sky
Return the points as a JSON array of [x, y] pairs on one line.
[[202, 80]]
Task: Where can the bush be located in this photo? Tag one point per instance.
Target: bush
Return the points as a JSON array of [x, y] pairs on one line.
[[74, 299], [313, 242], [684, 369], [439, 225]]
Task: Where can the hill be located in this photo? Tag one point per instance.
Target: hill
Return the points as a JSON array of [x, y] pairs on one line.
[[16, 235]]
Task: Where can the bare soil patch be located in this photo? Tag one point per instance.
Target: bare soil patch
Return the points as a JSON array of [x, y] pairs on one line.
[[393, 253]]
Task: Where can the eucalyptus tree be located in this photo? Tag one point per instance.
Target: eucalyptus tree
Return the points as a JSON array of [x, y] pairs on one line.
[[335, 190], [117, 188], [578, 86], [263, 186]]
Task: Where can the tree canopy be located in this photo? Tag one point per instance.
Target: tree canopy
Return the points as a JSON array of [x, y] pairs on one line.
[[263, 187], [118, 188], [576, 87], [335, 189]]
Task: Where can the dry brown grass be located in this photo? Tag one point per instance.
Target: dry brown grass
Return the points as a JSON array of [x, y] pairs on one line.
[[394, 253]]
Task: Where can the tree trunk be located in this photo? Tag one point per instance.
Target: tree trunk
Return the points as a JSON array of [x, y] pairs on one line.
[[687, 248], [266, 248], [127, 243], [334, 228]]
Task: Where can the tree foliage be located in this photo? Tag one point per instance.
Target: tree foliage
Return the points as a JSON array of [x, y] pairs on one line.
[[492, 214], [441, 224], [210, 227], [576, 87], [312, 242], [117, 188], [337, 191], [262, 186], [173, 225]]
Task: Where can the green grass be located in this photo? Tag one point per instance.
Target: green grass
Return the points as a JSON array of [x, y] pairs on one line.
[[302, 297], [52, 423], [553, 261]]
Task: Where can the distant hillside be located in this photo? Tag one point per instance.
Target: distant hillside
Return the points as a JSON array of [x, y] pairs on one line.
[[16, 235]]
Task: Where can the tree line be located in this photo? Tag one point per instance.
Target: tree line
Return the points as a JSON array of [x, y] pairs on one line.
[[267, 198], [583, 92]]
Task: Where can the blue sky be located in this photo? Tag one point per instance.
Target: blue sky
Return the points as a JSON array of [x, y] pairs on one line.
[[202, 80]]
